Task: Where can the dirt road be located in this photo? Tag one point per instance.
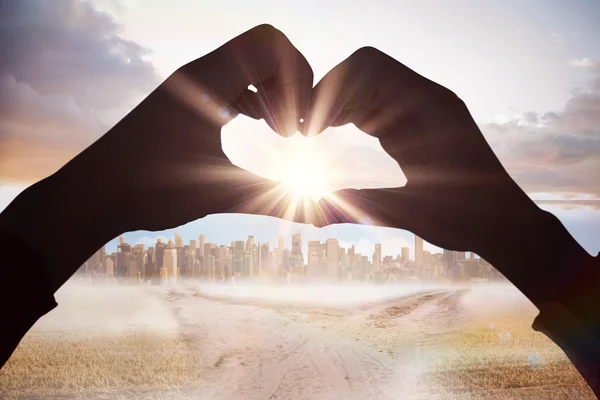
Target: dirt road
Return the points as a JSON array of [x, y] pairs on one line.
[[286, 352]]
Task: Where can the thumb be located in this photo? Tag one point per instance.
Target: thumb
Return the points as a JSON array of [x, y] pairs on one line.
[[393, 208]]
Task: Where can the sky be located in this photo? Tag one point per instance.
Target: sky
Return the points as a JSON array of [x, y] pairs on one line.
[[528, 71]]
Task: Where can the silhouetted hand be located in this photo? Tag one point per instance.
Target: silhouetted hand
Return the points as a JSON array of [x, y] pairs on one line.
[[458, 194], [163, 165]]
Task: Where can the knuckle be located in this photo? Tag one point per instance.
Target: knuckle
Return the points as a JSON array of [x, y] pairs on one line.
[[268, 31], [367, 51], [365, 57], [443, 95], [363, 60]]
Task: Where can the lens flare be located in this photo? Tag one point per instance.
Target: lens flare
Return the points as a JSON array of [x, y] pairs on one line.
[[304, 171]]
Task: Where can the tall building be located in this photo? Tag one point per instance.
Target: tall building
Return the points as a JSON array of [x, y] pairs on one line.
[[208, 259], [123, 258], [405, 254], [377, 257], [150, 272], [265, 259], [223, 264], [278, 256], [201, 243], [160, 254], [238, 257], [139, 257], [450, 264], [250, 242], [296, 258], [332, 258], [315, 259], [109, 267], [170, 263], [418, 250], [351, 252], [178, 241]]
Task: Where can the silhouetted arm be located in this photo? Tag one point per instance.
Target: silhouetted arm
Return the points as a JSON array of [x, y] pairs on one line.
[[26, 294], [160, 167], [459, 196], [562, 280], [46, 233]]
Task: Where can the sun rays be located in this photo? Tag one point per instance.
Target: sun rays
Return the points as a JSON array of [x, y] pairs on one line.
[[302, 186]]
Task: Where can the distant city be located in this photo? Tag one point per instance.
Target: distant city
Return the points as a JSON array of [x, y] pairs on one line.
[[249, 261]]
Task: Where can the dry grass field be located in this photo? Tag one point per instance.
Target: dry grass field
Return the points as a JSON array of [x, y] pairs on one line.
[[424, 346], [503, 358], [92, 366]]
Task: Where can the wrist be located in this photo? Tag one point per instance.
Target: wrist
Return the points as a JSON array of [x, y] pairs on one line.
[[538, 255], [61, 219]]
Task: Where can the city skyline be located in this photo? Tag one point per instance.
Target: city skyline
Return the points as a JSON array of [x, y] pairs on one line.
[[174, 260], [363, 237]]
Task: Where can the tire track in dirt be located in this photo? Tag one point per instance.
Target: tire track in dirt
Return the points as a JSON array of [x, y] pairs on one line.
[[368, 353]]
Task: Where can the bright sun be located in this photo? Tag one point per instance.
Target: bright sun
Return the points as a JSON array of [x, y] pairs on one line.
[[303, 171]]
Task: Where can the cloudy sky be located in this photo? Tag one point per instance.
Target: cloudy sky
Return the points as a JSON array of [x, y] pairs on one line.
[[529, 72]]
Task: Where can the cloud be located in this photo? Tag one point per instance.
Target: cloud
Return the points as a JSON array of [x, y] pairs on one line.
[[555, 152], [582, 62], [570, 204], [66, 76]]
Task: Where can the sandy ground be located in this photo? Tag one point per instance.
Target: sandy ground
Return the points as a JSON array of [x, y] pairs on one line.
[[346, 342]]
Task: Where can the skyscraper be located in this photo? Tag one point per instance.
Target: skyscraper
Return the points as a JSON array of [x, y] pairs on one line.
[[265, 259], [139, 258], [170, 263], [159, 261], [315, 258], [201, 242], [123, 258], [405, 254], [331, 258], [178, 241], [377, 257], [450, 264], [296, 259], [418, 250], [238, 257], [222, 264]]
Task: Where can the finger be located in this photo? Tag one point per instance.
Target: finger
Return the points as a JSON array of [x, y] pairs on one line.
[[368, 88], [226, 188], [399, 208], [395, 208], [265, 58], [249, 104]]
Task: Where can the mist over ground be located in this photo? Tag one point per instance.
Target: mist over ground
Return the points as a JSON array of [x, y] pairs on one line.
[[255, 341]]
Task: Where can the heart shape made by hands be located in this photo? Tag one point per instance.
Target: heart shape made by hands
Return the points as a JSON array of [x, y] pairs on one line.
[[315, 166]]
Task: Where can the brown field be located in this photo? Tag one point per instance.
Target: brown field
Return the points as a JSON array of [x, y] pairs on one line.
[[432, 346], [89, 366], [484, 363]]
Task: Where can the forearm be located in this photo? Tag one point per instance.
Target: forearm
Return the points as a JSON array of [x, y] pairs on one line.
[[562, 280], [62, 220], [46, 233]]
